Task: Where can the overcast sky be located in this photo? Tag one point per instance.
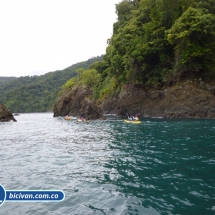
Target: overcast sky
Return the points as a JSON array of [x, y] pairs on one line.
[[40, 36]]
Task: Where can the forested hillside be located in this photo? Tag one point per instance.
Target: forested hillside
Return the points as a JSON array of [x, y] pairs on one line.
[[157, 43], [5, 79], [160, 62], [37, 93]]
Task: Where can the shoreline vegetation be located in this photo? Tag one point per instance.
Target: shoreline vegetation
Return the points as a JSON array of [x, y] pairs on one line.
[[159, 62]]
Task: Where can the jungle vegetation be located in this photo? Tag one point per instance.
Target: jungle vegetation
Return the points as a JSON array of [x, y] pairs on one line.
[[157, 43], [37, 93], [5, 79]]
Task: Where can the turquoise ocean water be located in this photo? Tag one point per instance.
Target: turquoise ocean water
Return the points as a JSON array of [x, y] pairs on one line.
[[110, 167]]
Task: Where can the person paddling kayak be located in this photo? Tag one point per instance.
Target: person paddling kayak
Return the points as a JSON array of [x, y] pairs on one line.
[[136, 118], [83, 119], [130, 117]]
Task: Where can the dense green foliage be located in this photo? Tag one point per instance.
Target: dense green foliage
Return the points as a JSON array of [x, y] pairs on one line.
[[193, 36], [158, 40], [5, 79], [37, 93], [88, 79], [156, 43]]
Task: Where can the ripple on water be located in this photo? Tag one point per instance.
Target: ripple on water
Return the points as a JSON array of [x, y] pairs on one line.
[[110, 167]]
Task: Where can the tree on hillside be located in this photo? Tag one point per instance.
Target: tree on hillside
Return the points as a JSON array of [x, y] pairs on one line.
[[193, 36]]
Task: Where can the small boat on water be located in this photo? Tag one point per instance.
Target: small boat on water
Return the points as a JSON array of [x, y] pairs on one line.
[[68, 118], [132, 121], [80, 120]]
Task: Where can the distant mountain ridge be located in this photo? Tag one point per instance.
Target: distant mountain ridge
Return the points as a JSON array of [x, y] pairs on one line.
[[5, 79], [37, 93]]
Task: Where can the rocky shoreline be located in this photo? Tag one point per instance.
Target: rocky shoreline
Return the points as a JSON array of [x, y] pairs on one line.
[[77, 103], [5, 114], [180, 101]]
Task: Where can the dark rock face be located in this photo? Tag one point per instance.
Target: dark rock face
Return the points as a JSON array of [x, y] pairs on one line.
[[77, 103], [183, 101], [175, 102], [5, 114]]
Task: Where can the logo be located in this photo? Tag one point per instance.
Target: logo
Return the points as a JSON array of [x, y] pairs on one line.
[[2, 194], [30, 195]]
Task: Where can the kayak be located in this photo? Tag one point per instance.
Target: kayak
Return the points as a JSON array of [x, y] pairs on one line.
[[132, 121], [79, 120], [68, 118]]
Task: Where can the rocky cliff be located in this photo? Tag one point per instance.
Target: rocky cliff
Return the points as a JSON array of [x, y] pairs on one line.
[[181, 101], [5, 114], [77, 103]]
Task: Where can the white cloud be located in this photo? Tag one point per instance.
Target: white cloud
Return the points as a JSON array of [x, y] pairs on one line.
[[39, 36]]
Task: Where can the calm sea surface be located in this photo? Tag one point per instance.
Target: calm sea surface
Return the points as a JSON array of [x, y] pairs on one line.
[[110, 167]]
